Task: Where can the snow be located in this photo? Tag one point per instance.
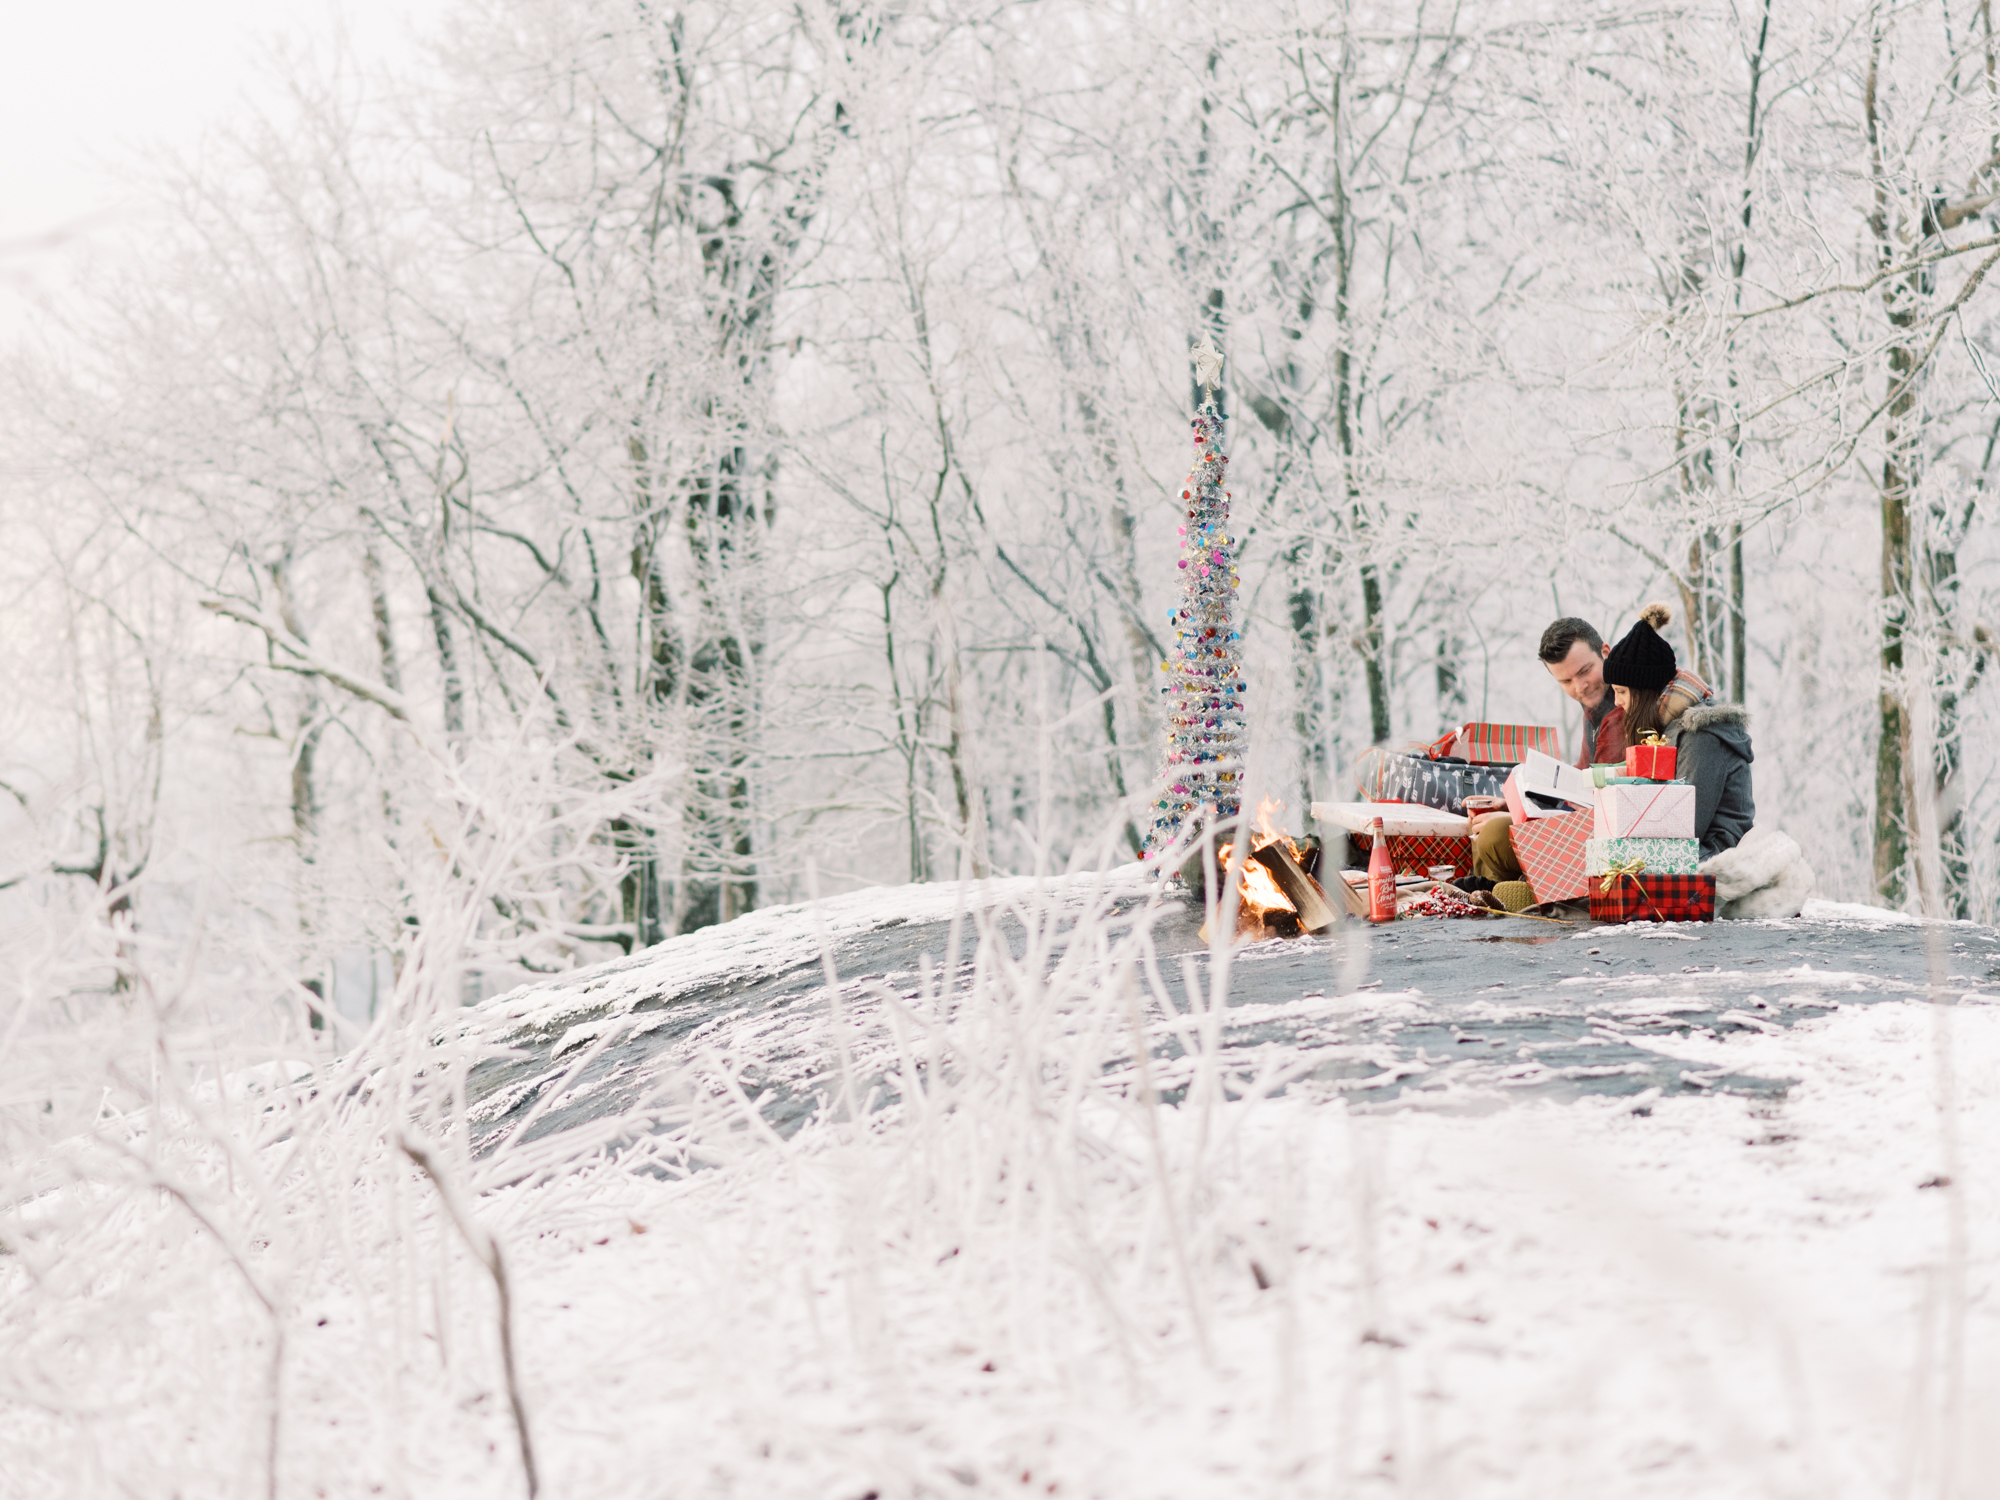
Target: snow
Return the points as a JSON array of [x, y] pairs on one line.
[[1853, 911], [774, 939], [1711, 1300], [1027, 1279]]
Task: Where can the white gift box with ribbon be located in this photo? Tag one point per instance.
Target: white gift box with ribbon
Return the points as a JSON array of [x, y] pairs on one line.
[[1653, 810]]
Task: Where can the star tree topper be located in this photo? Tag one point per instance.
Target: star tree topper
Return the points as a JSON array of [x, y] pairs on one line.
[[1207, 364]]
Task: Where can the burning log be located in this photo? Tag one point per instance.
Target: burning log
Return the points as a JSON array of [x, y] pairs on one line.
[[1310, 851], [1277, 895], [1315, 913]]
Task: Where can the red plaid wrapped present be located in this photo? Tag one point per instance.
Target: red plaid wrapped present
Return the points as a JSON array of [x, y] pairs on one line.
[[1551, 854], [1654, 761], [1501, 744], [1652, 898], [1414, 854]]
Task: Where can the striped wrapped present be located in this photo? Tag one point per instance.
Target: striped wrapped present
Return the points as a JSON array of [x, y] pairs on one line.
[[1503, 744], [1652, 898]]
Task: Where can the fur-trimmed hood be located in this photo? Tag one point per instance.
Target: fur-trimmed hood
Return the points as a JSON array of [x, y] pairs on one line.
[[1702, 715], [1727, 723]]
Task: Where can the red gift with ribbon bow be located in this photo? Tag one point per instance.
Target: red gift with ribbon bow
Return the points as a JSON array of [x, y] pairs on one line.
[[1652, 758]]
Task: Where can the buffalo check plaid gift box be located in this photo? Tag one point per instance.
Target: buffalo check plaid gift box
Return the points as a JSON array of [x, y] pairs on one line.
[[1551, 854], [1652, 898]]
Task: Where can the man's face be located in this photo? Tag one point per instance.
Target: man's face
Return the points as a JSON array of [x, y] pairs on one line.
[[1581, 673]]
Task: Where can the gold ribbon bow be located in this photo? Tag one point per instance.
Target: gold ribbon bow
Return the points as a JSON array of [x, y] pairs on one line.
[[1630, 868]]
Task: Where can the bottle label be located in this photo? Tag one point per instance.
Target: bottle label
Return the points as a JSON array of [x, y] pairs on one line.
[[1382, 896]]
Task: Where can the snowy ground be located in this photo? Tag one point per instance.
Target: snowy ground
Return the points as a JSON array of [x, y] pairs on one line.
[[1443, 1014], [1022, 1276]]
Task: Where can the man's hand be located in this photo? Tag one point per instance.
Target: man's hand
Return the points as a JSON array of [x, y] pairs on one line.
[[1479, 809]]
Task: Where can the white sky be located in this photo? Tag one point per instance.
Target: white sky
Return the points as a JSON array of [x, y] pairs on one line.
[[81, 84]]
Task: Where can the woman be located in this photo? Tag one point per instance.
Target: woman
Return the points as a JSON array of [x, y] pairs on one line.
[[1711, 743]]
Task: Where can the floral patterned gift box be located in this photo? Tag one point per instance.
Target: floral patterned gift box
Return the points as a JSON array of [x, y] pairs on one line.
[[1657, 856]]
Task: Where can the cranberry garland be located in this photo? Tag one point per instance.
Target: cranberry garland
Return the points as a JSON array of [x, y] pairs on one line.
[[1206, 727]]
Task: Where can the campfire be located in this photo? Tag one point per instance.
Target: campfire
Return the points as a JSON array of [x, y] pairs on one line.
[[1276, 892]]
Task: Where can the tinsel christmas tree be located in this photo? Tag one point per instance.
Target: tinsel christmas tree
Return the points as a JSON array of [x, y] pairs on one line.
[[1206, 727]]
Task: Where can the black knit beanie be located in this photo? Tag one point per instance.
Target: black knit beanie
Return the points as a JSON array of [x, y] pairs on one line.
[[1643, 659]]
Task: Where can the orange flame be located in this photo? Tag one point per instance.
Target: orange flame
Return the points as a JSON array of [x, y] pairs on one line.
[[1267, 828], [1259, 892]]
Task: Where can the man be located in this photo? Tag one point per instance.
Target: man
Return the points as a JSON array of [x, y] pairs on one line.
[[1574, 654]]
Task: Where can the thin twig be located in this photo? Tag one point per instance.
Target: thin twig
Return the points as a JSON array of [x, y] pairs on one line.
[[487, 1250]]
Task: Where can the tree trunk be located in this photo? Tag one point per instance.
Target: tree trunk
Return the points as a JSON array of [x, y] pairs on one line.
[[1901, 297], [1892, 847], [447, 650], [304, 785], [1739, 677], [1372, 645], [1303, 605], [305, 753], [717, 865]]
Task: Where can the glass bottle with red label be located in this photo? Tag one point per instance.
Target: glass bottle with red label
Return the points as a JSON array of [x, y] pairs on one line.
[[1381, 879]]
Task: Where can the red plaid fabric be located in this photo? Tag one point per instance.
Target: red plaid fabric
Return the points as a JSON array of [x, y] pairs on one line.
[[1415, 853], [1503, 744], [1652, 898], [1551, 854]]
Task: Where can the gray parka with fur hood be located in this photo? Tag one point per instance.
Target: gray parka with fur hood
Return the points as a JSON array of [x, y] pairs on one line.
[[1712, 750]]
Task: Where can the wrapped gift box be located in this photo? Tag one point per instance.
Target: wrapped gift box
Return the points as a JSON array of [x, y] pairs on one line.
[[1414, 854], [1551, 854], [1652, 898], [1654, 762], [1662, 856], [1502, 744], [1375, 766], [1517, 799], [1397, 818], [1645, 810], [1442, 784]]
